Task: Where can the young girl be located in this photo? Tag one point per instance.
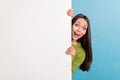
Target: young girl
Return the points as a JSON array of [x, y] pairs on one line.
[[80, 50]]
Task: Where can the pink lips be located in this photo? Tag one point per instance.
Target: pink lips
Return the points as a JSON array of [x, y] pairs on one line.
[[75, 35]]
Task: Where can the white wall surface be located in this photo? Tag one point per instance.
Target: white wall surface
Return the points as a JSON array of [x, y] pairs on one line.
[[34, 35]]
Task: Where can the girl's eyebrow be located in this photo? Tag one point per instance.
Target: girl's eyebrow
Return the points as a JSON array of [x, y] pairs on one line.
[[85, 26], [78, 22]]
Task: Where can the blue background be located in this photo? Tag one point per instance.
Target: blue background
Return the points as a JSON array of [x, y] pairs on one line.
[[104, 16]]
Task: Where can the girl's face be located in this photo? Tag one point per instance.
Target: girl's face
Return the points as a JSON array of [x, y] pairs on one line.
[[79, 28]]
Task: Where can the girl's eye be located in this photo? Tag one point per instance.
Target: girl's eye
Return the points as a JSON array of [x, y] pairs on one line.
[[84, 28], [77, 25]]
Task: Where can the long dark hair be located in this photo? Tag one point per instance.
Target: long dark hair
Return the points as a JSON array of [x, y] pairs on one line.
[[86, 43]]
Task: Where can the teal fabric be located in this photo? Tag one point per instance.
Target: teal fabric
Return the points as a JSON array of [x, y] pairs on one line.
[[78, 58]]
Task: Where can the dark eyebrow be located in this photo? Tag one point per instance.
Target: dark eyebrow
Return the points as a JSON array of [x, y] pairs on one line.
[[85, 26], [78, 22]]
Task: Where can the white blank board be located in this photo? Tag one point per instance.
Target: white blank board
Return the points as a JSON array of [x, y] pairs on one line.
[[34, 35]]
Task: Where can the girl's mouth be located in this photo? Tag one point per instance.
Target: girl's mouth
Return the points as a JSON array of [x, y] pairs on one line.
[[76, 35]]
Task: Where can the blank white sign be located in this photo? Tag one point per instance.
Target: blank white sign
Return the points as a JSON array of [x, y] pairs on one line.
[[34, 35]]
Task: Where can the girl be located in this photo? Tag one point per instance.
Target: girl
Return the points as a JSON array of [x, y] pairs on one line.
[[80, 50]]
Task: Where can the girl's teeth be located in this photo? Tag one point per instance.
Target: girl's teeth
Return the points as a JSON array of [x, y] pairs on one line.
[[77, 34]]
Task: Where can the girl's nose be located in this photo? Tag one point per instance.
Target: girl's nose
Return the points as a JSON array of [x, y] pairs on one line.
[[79, 29]]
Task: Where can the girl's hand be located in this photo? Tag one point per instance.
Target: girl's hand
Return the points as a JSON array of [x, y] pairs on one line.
[[70, 12], [70, 51]]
